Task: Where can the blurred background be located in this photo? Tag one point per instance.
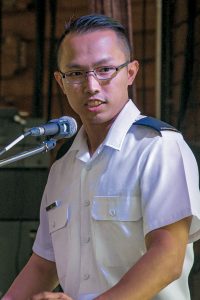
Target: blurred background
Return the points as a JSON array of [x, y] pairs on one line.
[[165, 38]]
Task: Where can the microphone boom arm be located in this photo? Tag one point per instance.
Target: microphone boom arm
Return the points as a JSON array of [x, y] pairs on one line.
[[44, 147], [12, 144]]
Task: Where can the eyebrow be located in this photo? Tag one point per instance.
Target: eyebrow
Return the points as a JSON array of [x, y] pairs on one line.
[[108, 60]]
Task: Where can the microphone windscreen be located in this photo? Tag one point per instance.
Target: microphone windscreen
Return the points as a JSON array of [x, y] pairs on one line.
[[70, 126]]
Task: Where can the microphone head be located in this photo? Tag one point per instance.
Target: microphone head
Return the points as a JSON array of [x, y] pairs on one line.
[[64, 127], [68, 127]]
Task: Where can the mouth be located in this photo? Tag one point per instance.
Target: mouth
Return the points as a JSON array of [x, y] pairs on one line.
[[94, 103]]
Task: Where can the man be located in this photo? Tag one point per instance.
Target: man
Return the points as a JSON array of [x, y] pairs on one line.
[[122, 205]]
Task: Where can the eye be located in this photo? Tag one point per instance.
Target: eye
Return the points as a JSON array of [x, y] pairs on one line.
[[74, 74], [106, 69]]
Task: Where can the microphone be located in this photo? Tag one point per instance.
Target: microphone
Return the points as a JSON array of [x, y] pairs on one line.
[[64, 127]]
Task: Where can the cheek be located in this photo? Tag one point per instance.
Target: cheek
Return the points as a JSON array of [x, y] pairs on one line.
[[73, 98], [70, 92], [120, 88]]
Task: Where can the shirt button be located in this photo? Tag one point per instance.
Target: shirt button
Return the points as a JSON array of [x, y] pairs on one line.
[[112, 212], [87, 203], [86, 240], [86, 276]]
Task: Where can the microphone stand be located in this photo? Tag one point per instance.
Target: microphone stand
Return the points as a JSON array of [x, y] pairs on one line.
[[12, 144], [44, 147]]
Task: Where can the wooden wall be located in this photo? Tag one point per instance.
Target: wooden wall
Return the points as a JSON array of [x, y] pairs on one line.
[[19, 61]]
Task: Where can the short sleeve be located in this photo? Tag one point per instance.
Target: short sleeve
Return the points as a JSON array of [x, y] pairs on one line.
[[170, 185], [43, 243]]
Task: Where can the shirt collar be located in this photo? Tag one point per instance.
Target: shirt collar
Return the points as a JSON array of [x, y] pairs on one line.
[[121, 125], [116, 134], [80, 145]]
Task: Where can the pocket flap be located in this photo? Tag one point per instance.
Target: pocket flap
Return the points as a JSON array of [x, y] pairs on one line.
[[58, 217], [116, 208]]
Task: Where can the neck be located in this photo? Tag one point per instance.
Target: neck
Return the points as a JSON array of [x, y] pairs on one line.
[[96, 135]]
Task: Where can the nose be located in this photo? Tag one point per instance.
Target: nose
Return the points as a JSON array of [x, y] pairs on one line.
[[92, 84]]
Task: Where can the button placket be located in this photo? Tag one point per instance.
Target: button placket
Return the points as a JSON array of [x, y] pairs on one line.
[[85, 225]]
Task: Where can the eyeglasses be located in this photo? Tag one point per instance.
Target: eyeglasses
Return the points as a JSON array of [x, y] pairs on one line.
[[100, 73]]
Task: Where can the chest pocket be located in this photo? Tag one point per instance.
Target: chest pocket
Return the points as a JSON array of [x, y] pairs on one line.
[[118, 232], [58, 217], [114, 208]]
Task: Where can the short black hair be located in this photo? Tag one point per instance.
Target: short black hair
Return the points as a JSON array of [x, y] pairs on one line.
[[94, 22]]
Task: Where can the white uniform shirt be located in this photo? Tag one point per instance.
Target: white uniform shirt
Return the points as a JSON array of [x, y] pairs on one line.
[[101, 207]]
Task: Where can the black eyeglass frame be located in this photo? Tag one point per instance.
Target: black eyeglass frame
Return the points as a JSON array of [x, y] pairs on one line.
[[117, 69]]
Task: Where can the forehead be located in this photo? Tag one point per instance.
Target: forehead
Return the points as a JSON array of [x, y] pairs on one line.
[[91, 47]]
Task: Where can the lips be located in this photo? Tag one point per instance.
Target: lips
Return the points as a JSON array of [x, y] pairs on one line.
[[94, 103]]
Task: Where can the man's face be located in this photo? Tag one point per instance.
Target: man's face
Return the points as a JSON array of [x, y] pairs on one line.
[[95, 101]]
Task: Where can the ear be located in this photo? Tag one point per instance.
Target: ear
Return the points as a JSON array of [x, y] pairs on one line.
[[133, 68], [59, 80]]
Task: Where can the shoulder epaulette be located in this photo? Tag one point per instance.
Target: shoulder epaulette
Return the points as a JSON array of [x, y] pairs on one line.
[[156, 124]]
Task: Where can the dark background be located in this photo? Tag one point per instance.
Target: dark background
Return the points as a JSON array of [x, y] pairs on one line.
[[165, 37]]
